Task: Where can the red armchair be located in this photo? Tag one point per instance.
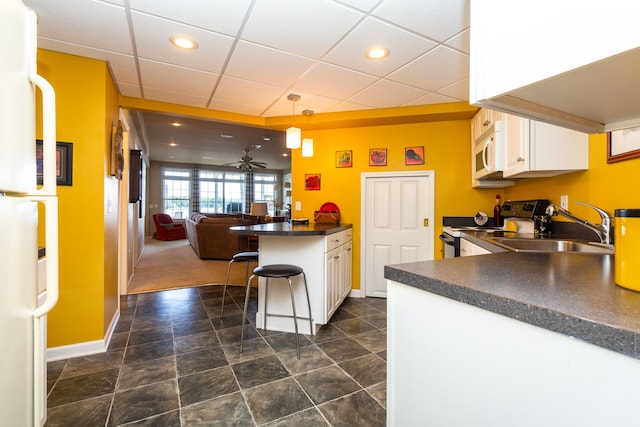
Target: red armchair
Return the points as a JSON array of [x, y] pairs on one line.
[[166, 229]]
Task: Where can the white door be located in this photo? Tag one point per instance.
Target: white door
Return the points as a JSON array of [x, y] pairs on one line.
[[397, 217]]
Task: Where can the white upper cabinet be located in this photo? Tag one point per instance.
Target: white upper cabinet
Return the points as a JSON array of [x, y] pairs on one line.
[[536, 149], [573, 63]]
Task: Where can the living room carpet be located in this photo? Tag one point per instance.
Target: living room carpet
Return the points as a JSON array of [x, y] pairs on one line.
[[174, 264]]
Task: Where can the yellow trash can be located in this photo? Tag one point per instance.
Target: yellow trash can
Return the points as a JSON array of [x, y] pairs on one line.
[[627, 248]]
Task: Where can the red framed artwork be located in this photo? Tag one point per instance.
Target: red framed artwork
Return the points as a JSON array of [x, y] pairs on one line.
[[377, 157], [312, 181]]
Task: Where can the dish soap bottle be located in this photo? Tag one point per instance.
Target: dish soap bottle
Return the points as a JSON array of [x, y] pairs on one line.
[[497, 219]]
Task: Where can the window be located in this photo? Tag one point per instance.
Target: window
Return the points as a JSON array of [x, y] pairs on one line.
[[175, 192], [214, 192], [265, 190], [221, 191]]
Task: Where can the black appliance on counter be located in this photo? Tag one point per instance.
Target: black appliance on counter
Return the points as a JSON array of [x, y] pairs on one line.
[[454, 226]]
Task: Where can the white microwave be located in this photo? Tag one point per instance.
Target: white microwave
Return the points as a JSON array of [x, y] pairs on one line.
[[488, 153]]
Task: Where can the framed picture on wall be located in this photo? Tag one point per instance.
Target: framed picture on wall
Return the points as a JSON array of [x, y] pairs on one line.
[[344, 159], [312, 181], [64, 162], [377, 157], [414, 156], [623, 144]]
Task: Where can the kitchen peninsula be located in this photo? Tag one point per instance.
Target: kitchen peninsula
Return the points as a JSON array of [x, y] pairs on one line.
[[509, 338], [323, 251]]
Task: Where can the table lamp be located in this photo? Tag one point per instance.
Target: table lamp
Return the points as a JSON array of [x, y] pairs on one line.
[[259, 209]]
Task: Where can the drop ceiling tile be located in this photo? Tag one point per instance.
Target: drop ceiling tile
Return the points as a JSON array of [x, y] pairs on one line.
[[223, 16], [303, 27], [333, 81], [266, 65], [385, 93], [432, 98], [435, 19], [458, 90], [127, 89], [152, 42], [247, 92], [108, 29], [403, 47], [284, 107], [175, 98], [439, 67], [460, 41], [236, 107], [347, 106], [183, 80]]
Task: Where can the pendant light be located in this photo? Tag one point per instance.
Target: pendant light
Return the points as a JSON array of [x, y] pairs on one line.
[[307, 143], [293, 133]]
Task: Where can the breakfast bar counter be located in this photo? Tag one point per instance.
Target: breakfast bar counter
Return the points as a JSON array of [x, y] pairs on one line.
[[324, 251], [523, 339]]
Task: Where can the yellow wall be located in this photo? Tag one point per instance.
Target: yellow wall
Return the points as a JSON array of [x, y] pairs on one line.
[[609, 186], [85, 101], [447, 150]]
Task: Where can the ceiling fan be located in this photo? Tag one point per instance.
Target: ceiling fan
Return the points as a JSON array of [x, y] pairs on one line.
[[246, 162]]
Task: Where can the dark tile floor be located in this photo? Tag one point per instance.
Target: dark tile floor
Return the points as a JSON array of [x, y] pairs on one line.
[[174, 362]]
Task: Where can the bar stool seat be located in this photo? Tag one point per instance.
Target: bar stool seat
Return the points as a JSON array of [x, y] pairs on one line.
[[278, 271], [247, 257]]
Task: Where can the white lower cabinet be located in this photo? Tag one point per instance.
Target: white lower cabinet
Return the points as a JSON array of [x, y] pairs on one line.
[[338, 272], [327, 264], [468, 249]]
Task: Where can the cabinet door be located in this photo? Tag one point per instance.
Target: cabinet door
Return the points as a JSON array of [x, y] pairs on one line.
[[516, 145], [332, 281], [469, 249], [346, 265]]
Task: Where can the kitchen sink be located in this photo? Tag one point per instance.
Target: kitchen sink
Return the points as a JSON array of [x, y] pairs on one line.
[[548, 245]]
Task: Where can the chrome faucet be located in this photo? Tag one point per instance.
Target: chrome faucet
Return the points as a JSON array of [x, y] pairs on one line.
[[603, 230]]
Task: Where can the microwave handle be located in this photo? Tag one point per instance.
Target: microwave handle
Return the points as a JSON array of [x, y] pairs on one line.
[[485, 150]]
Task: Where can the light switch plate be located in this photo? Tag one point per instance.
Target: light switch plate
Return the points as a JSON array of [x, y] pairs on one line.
[[298, 206]]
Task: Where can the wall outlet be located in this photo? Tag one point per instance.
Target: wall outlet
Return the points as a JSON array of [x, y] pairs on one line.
[[298, 206], [564, 202]]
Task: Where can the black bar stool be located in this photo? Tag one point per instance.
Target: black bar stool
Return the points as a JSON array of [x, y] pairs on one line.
[[246, 257], [278, 271]]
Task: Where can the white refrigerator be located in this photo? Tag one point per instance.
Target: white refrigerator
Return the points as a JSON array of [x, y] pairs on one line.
[[22, 309]]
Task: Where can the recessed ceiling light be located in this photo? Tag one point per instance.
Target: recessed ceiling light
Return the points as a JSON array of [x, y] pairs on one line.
[[377, 53], [266, 138], [176, 124], [285, 154], [172, 157], [173, 144], [183, 42], [226, 135], [207, 157]]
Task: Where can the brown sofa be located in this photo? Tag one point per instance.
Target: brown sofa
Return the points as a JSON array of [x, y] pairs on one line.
[[210, 237]]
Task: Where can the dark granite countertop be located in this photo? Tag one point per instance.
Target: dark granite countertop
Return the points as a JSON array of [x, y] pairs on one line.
[[287, 229], [571, 293]]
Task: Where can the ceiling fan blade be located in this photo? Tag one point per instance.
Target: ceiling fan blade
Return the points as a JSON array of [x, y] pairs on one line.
[[258, 164]]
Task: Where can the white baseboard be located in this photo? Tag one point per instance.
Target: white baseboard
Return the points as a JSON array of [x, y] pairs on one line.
[[84, 348], [356, 293]]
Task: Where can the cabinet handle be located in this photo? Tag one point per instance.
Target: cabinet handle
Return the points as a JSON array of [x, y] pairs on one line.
[[520, 159], [336, 257], [486, 123]]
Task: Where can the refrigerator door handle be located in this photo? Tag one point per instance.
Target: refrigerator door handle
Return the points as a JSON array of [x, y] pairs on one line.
[[51, 238], [48, 136]]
